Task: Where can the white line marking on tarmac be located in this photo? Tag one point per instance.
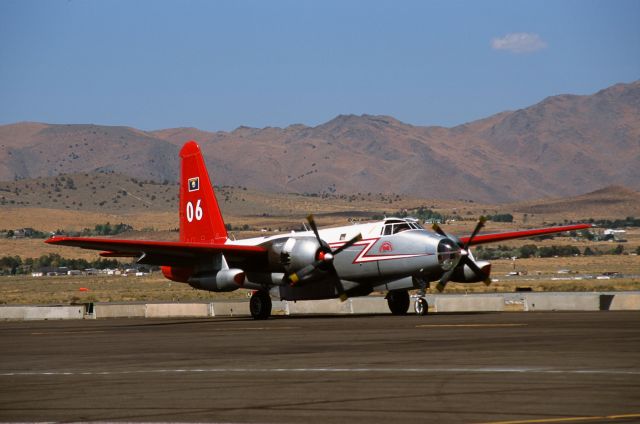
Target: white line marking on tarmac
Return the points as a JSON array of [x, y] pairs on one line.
[[487, 370], [53, 333], [229, 329], [468, 325], [252, 328]]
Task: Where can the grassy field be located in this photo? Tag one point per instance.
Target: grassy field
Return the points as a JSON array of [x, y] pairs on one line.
[[277, 212], [64, 290], [540, 277], [163, 225]]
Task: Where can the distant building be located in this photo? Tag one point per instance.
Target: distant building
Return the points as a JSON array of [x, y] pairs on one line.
[[52, 271], [23, 233], [614, 235]]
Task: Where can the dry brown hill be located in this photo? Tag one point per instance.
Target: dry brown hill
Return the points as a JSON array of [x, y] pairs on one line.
[[612, 201], [111, 193], [97, 192], [563, 146], [30, 150]]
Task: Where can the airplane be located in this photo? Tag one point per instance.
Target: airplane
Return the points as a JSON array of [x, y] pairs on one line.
[[393, 255]]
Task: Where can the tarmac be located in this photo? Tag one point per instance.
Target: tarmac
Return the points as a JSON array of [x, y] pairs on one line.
[[491, 367]]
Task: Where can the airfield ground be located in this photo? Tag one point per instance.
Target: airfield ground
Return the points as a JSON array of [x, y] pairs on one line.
[[445, 368], [585, 274], [459, 368], [540, 274]]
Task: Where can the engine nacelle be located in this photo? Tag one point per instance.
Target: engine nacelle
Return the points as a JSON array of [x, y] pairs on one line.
[[465, 274], [222, 281], [179, 275], [292, 254]]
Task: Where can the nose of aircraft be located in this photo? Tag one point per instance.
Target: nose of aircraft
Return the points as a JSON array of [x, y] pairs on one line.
[[448, 253]]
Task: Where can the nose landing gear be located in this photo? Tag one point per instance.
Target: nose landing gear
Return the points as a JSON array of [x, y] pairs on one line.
[[421, 306]]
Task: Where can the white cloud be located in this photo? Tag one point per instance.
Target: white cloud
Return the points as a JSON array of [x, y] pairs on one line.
[[519, 42]]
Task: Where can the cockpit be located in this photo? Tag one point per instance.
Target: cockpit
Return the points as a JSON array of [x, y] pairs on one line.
[[397, 225]]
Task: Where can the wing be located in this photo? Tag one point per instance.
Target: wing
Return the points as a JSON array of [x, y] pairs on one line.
[[492, 238], [179, 254]]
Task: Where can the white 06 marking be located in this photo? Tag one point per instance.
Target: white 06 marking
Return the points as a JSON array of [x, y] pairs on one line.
[[190, 211]]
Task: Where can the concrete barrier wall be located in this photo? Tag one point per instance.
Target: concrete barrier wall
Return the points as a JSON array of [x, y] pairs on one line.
[[169, 310], [116, 310], [468, 303], [370, 305], [230, 309], [625, 302], [41, 312], [561, 302], [279, 307], [325, 306], [357, 305]]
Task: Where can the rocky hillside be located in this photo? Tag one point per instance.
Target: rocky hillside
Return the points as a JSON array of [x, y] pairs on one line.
[[565, 145]]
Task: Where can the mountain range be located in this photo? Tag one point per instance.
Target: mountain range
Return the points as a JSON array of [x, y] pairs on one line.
[[564, 145]]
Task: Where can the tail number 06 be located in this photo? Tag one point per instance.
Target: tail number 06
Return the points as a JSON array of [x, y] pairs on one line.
[[191, 213]]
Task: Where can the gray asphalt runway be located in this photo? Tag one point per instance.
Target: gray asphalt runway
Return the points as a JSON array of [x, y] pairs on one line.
[[457, 368]]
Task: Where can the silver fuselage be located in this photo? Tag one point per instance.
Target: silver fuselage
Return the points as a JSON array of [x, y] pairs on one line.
[[382, 260]]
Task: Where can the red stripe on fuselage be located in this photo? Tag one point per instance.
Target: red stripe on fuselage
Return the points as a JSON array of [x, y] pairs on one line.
[[363, 256]]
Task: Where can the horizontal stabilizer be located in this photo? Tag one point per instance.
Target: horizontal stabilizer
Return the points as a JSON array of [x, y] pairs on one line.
[[165, 252]]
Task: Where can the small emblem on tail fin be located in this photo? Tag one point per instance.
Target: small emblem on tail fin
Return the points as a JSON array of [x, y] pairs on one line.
[[194, 184]]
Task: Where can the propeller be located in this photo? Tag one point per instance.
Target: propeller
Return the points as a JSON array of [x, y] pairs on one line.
[[464, 258], [325, 259]]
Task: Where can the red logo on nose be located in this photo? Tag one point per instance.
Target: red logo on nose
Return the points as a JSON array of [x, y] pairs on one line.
[[386, 247]]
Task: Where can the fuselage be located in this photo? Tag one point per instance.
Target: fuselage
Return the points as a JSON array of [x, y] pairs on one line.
[[390, 255]]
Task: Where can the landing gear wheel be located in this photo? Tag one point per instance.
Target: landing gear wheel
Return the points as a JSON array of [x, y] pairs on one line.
[[398, 301], [260, 305], [421, 306]]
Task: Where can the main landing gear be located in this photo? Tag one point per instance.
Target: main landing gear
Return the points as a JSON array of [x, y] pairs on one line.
[[260, 305], [398, 301]]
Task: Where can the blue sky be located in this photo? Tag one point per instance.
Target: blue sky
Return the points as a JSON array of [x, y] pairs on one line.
[[216, 65]]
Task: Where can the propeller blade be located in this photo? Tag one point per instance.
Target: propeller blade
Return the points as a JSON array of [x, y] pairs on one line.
[[463, 258], [342, 294], [475, 232], [303, 272], [312, 223], [438, 230], [447, 275], [348, 244], [326, 258]]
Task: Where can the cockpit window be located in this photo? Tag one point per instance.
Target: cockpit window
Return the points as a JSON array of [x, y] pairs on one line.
[[398, 228], [395, 225]]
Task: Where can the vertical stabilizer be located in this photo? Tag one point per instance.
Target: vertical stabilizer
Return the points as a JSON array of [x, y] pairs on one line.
[[200, 217]]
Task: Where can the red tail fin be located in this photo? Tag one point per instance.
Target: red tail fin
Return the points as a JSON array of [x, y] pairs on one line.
[[200, 217]]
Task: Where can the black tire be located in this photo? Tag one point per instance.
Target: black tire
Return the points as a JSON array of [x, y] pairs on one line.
[[398, 301], [260, 305], [421, 306]]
